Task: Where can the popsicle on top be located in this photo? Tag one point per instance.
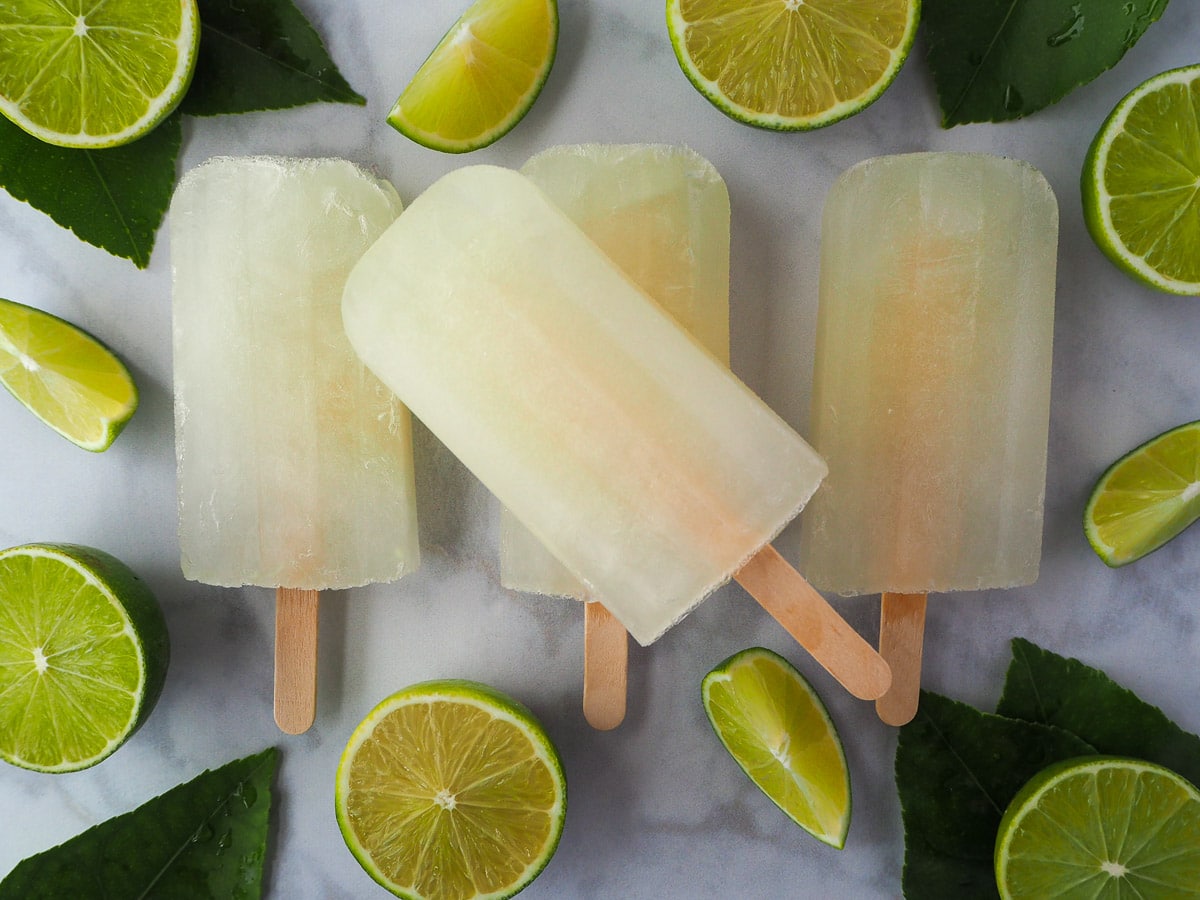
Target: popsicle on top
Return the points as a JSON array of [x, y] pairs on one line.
[[931, 388], [294, 461], [661, 214], [645, 467]]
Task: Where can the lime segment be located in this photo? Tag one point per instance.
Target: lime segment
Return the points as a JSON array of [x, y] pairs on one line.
[[1146, 497], [83, 656], [1101, 827], [1141, 183], [482, 77], [66, 377], [777, 729], [449, 790]]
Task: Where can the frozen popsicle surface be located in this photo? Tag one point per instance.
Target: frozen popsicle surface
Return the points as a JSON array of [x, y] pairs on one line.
[[294, 461], [661, 214], [644, 466], [931, 386]]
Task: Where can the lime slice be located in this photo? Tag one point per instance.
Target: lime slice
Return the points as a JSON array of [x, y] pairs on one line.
[[1101, 827], [791, 65], [83, 655], [66, 377], [95, 73], [1141, 183], [450, 790], [1146, 497], [482, 77], [777, 729]]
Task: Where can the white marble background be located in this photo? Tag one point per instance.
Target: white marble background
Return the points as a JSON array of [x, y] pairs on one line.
[[656, 807]]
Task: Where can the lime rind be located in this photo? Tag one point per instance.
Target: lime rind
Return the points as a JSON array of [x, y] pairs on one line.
[[677, 27], [1097, 202], [1131, 513]]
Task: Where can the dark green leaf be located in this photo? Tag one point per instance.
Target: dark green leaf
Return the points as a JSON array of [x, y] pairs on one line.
[[994, 60], [203, 839], [113, 198], [1053, 690], [260, 54], [956, 770]]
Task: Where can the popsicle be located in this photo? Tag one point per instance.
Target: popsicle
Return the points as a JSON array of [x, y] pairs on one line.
[[661, 214], [641, 462], [294, 461], [931, 388]]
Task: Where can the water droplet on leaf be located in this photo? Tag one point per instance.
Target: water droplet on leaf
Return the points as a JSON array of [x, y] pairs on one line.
[[1013, 101]]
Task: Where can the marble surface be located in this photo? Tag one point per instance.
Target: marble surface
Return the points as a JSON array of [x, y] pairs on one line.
[[656, 807]]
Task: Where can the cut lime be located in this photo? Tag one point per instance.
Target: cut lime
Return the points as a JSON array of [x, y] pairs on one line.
[[83, 655], [1101, 827], [1141, 183], [791, 65], [1146, 497], [66, 377], [450, 790], [482, 77], [95, 73], [777, 729]]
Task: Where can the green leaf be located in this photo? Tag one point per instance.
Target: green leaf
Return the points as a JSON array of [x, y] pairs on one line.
[[957, 769], [995, 60], [114, 198], [203, 839], [257, 55], [1043, 687]]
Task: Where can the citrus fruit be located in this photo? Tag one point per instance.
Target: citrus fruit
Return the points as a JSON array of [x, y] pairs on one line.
[[95, 73], [66, 377], [791, 65], [482, 77], [1146, 497], [777, 729], [83, 655], [1101, 827], [1141, 183], [450, 790]]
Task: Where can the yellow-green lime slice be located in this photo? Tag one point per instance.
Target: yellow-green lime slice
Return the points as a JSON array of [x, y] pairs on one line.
[[1141, 183], [450, 790], [777, 729], [482, 77], [1101, 828], [83, 655], [66, 377], [1146, 497], [95, 73], [791, 65]]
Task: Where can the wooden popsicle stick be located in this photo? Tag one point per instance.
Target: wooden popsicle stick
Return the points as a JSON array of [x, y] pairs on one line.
[[901, 638], [295, 659], [605, 667], [808, 617]]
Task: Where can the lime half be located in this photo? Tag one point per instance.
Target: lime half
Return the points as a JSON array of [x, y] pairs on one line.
[[482, 77], [83, 655], [791, 65], [1146, 497], [450, 790], [66, 377], [777, 729], [1141, 183], [1101, 827]]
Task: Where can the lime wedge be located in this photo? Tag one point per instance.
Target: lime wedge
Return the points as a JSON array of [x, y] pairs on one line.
[[95, 73], [1141, 183], [482, 77], [777, 729], [450, 790], [1146, 497], [791, 65], [83, 655], [66, 377], [1101, 827]]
